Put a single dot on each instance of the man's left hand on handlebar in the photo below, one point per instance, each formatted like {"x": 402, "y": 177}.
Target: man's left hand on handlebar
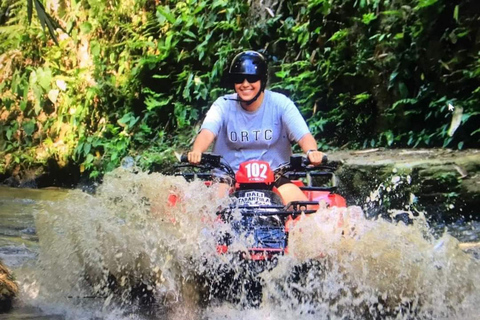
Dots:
{"x": 315, "y": 157}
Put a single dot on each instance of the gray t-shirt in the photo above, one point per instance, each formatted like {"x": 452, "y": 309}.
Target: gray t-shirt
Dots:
{"x": 265, "y": 134}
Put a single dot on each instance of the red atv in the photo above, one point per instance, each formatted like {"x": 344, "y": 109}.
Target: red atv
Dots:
{"x": 265, "y": 219}
{"x": 258, "y": 218}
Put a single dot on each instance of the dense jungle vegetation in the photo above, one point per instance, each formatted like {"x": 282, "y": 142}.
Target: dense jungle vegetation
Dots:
{"x": 125, "y": 77}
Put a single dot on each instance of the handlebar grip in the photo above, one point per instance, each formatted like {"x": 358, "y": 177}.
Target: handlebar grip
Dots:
{"x": 207, "y": 159}
{"x": 184, "y": 158}
{"x": 324, "y": 159}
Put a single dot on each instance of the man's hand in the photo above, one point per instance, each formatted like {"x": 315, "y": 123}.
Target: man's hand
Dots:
{"x": 309, "y": 146}
{"x": 203, "y": 140}
{"x": 194, "y": 157}
{"x": 315, "y": 157}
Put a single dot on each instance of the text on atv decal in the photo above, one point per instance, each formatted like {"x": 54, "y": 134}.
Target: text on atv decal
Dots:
{"x": 254, "y": 197}
{"x": 256, "y": 170}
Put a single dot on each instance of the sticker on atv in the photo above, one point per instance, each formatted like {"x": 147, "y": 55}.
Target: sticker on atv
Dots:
{"x": 254, "y": 171}
{"x": 254, "y": 198}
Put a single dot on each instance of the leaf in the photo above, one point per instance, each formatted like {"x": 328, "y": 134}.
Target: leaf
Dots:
{"x": 9, "y": 133}
{"x": 29, "y": 127}
{"x": 456, "y": 120}
{"x": 161, "y": 76}
{"x": 186, "y": 90}
{"x": 168, "y": 42}
{"x": 425, "y": 3}
{"x": 403, "y": 90}
{"x": 455, "y": 13}
{"x": 151, "y": 103}
{"x": 475, "y": 132}
{"x": 86, "y": 149}
{"x": 389, "y": 136}
{"x": 404, "y": 101}
{"x": 165, "y": 12}
{"x": 410, "y": 140}
{"x": 45, "y": 20}
{"x": 29, "y": 10}
{"x": 133, "y": 121}
{"x": 393, "y": 76}
{"x": 339, "y": 35}
{"x": 190, "y": 34}
{"x": 126, "y": 118}
{"x": 53, "y": 95}
{"x": 368, "y": 17}
{"x": 86, "y": 27}
{"x": 447, "y": 142}
{"x": 89, "y": 158}
{"x": 399, "y": 36}
{"x": 23, "y": 105}
{"x": 79, "y": 148}
{"x": 43, "y": 78}
{"x": 359, "y": 98}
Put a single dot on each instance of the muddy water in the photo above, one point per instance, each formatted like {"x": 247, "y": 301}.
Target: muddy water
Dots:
{"x": 82, "y": 256}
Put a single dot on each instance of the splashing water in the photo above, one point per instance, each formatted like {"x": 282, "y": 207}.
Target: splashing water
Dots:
{"x": 130, "y": 242}
{"x": 376, "y": 269}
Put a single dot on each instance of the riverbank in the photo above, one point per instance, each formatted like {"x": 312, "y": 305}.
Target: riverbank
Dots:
{"x": 8, "y": 288}
{"x": 444, "y": 182}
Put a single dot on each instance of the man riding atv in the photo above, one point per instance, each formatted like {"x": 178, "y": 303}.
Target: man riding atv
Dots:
{"x": 255, "y": 123}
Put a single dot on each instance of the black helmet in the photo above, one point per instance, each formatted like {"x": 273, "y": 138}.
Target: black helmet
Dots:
{"x": 249, "y": 63}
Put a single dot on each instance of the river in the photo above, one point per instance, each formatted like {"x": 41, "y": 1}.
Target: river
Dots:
{"x": 95, "y": 256}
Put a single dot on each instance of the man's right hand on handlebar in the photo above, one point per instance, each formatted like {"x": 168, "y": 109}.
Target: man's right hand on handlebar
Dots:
{"x": 194, "y": 157}
{"x": 202, "y": 142}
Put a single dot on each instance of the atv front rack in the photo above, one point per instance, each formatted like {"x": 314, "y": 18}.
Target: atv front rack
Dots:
{"x": 294, "y": 209}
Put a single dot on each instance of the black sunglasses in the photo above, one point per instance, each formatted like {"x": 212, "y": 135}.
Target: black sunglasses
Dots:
{"x": 239, "y": 78}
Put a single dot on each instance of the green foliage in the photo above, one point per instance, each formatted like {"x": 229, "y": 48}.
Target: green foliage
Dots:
{"x": 383, "y": 73}
{"x": 135, "y": 78}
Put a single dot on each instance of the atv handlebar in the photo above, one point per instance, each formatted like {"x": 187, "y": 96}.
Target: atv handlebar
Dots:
{"x": 206, "y": 159}
{"x": 208, "y": 162}
{"x": 297, "y": 162}
{"x": 212, "y": 167}
{"x": 300, "y": 161}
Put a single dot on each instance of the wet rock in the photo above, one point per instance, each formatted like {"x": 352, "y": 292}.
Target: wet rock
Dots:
{"x": 441, "y": 182}
{"x": 8, "y": 288}
{"x": 49, "y": 175}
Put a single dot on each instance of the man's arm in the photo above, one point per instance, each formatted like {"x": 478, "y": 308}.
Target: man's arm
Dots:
{"x": 297, "y": 126}
{"x": 203, "y": 140}
{"x": 309, "y": 146}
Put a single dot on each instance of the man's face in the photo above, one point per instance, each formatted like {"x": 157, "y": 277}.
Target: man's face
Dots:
{"x": 247, "y": 87}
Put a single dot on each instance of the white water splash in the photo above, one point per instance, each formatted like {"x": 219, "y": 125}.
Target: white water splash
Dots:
{"x": 340, "y": 265}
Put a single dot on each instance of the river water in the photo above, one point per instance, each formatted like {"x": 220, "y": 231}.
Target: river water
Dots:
{"x": 127, "y": 253}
